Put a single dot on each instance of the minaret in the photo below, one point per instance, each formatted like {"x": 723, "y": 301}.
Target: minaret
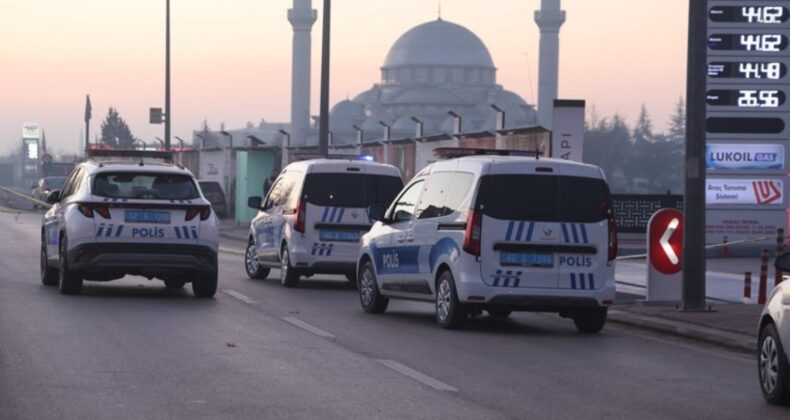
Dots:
{"x": 549, "y": 19}
{"x": 302, "y": 17}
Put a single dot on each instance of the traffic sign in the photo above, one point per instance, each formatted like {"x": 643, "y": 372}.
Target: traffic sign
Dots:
{"x": 665, "y": 255}
{"x": 156, "y": 116}
{"x": 46, "y": 158}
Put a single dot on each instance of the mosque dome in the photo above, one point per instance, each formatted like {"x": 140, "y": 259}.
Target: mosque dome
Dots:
{"x": 439, "y": 43}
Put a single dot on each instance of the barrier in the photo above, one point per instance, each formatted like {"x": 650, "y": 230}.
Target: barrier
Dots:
{"x": 763, "y": 277}
{"x": 26, "y": 197}
{"x": 747, "y": 287}
{"x": 725, "y": 251}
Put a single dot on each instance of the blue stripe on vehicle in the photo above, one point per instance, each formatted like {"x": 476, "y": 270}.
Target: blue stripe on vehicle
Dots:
{"x": 592, "y": 282}
{"x": 185, "y": 231}
{"x": 530, "y": 230}
{"x": 581, "y": 280}
{"x": 178, "y": 232}
{"x": 519, "y": 231}
{"x": 194, "y": 233}
{"x": 100, "y": 231}
{"x": 118, "y": 233}
{"x": 517, "y": 281}
{"x": 564, "y": 233}
{"x": 509, "y": 230}
{"x": 326, "y": 212}
{"x": 329, "y": 251}
{"x": 575, "y": 234}
{"x": 496, "y": 277}
{"x": 332, "y": 217}
{"x": 584, "y": 233}
{"x": 109, "y": 231}
{"x": 340, "y": 217}
{"x": 573, "y": 281}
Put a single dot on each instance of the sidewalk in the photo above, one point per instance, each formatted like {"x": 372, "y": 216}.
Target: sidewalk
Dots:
{"x": 229, "y": 229}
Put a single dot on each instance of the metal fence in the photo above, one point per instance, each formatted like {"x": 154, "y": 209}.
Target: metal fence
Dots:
{"x": 633, "y": 211}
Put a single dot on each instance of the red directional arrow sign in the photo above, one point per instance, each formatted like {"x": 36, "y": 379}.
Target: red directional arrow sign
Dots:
{"x": 666, "y": 240}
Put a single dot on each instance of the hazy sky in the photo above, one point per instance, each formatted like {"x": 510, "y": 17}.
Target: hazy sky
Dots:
{"x": 231, "y": 59}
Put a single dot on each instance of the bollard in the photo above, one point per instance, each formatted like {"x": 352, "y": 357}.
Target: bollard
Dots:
{"x": 725, "y": 252}
{"x": 780, "y": 245}
{"x": 763, "y": 277}
{"x": 747, "y": 287}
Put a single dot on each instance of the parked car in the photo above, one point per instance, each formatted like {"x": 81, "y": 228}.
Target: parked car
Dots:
{"x": 44, "y": 186}
{"x": 214, "y": 194}
{"x": 773, "y": 354}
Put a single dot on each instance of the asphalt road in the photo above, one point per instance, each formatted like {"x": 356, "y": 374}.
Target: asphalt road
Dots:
{"x": 132, "y": 349}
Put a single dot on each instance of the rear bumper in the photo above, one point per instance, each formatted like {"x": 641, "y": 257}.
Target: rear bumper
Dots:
{"x": 142, "y": 259}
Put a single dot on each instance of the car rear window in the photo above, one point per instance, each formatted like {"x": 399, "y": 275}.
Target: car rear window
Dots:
{"x": 549, "y": 198}
{"x": 147, "y": 186}
{"x": 351, "y": 190}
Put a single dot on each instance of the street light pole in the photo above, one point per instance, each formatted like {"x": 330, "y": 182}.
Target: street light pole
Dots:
{"x": 286, "y": 157}
{"x": 180, "y": 142}
{"x": 168, "y": 111}
{"x": 323, "y": 131}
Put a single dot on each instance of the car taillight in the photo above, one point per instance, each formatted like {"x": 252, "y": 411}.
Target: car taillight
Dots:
{"x": 301, "y": 210}
{"x": 205, "y": 212}
{"x": 103, "y": 212}
{"x": 192, "y": 212}
{"x": 87, "y": 210}
{"x": 612, "y": 238}
{"x": 474, "y": 230}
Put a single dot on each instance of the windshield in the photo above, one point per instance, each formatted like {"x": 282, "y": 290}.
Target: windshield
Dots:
{"x": 351, "y": 190}
{"x": 548, "y": 198}
{"x": 150, "y": 186}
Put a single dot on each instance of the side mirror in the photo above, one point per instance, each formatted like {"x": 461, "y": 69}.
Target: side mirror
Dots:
{"x": 53, "y": 197}
{"x": 255, "y": 202}
{"x": 783, "y": 262}
{"x": 376, "y": 212}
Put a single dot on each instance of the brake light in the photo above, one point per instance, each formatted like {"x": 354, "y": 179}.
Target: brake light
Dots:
{"x": 301, "y": 213}
{"x": 85, "y": 210}
{"x": 103, "y": 212}
{"x": 612, "y": 238}
{"x": 474, "y": 230}
{"x": 88, "y": 211}
{"x": 191, "y": 213}
{"x": 205, "y": 212}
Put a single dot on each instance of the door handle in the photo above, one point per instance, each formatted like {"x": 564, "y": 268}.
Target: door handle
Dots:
{"x": 410, "y": 237}
{"x": 400, "y": 238}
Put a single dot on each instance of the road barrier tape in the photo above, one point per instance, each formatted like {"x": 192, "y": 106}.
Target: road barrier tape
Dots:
{"x": 26, "y": 197}
{"x": 713, "y": 246}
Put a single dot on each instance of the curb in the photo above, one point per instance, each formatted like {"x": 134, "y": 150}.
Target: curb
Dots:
{"x": 731, "y": 341}
{"x": 231, "y": 251}
{"x": 232, "y": 237}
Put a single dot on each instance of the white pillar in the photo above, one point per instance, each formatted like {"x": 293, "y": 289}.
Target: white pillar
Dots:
{"x": 302, "y": 17}
{"x": 549, "y": 19}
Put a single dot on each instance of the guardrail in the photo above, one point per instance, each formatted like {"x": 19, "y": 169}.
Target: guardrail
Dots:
{"x": 40, "y": 203}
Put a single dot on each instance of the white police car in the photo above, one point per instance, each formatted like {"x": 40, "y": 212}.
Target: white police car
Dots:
{"x": 314, "y": 215}
{"x": 495, "y": 233}
{"x": 773, "y": 346}
{"x": 119, "y": 213}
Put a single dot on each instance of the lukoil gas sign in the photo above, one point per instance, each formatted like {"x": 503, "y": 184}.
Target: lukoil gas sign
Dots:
{"x": 764, "y": 192}
{"x": 745, "y": 156}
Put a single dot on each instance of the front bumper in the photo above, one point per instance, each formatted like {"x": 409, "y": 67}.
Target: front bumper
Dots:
{"x": 142, "y": 259}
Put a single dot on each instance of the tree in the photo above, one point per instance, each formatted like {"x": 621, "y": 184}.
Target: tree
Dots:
{"x": 677, "y": 123}
{"x": 115, "y": 132}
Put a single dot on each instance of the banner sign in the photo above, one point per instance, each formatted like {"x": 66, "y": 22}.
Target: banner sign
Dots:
{"x": 763, "y": 192}
{"x": 31, "y": 131}
{"x": 745, "y": 156}
{"x": 567, "y": 137}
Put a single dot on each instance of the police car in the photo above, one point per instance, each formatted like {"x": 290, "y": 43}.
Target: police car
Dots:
{"x": 497, "y": 233}
{"x": 129, "y": 212}
{"x": 773, "y": 345}
{"x": 313, "y": 217}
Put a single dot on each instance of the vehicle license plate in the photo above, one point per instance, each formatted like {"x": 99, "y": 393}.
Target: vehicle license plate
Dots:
{"x": 338, "y": 236}
{"x": 527, "y": 259}
{"x": 141, "y": 216}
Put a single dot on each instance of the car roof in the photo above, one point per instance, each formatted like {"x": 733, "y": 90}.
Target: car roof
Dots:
{"x": 342, "y": 165}
{"x": 490, "y": 164}
{"x": 94, "y": 167}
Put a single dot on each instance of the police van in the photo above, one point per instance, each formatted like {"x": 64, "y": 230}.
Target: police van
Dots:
{"x": 499, "y": 233}
{"x": 313, "y": 218}
{"x": 129, "y": 212}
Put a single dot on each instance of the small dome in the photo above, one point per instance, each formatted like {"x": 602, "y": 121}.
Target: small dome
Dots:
{"x": 348, "y": 108}
{"x": 439, "y": 43}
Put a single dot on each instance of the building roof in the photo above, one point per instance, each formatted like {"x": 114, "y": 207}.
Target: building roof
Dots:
{"x": 439, "y": 43}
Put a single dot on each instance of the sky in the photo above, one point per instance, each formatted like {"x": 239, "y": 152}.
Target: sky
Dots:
{"x": 231, "y": 59}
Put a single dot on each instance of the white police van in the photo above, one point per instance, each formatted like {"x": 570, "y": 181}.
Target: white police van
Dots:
{"x": 129, "y": 212}
{"x": 313, "y": 217}
{"x": 496, "y": 233}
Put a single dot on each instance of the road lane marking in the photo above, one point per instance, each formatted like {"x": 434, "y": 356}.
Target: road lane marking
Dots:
{"x": 307, "y": 327}
{"x": 239, "y": 296}
{"x": 417, "y": 376}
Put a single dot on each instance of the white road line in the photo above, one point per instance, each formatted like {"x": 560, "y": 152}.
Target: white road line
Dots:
{"x": 417, "y": 376}
{"x": 239, "y": 296}
{"x": 307, "y": 327}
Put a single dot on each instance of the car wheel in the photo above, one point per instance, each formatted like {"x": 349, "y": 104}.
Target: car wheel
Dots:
{"x": 369, "y": 296}
{"x": 204, "y": 285}
{"x": 251, "y": 264}
{"x": 499, "y": 312}
{"x": 450, "y": 313}
{"x": 773, "y": 367}
{"x": 289, "y": 276}
{"x": 69, "y": 281}
{"x": 49, "y": 275}
{"x": 590, "y": 321}
{"x": 175, "y": 283}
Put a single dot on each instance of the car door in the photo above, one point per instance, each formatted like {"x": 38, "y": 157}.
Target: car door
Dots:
{"x": 54, "y": 219}
{"x": 266, "y": 240}
{"x": 393, "y": 255}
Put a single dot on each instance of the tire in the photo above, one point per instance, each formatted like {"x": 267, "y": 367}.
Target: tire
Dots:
{"x": 450, "y": 313}
{"x": 772, "y": 367}
{"x": 251, "y": 264}
{"x": 590, "y": 321}
{"x": 69, "y": 281}
{"x": 499, "y": 312}
{"x": 175, "y": 283}
{"x": 49, "y": 275}
{"x": 289, "y": 276}
{"x": 204, "y": 285}
{"x": 369, "y": 296}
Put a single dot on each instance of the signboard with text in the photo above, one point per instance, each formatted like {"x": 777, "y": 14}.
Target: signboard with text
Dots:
{"x": 738, "y": 156}
{"x": 758, "y": 192}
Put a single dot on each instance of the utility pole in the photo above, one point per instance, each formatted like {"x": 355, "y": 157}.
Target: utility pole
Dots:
{"x": 168, "y": 111}
{"x": 323, "y": 131}
{"x": 694, "y": 199}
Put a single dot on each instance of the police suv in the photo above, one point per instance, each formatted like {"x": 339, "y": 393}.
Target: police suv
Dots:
{"x": 129, "y": 212}
{"x": 496, "y": 233}
{"x": 313, "y": 217}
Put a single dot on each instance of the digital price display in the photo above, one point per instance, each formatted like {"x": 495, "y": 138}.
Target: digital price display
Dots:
{"x": 746, "y": 98}
{"x": 769, "y": 70}
{"x": 769, "y": 15}
{"x": 744, "y": 125}
{"x": 765, "y": 43}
